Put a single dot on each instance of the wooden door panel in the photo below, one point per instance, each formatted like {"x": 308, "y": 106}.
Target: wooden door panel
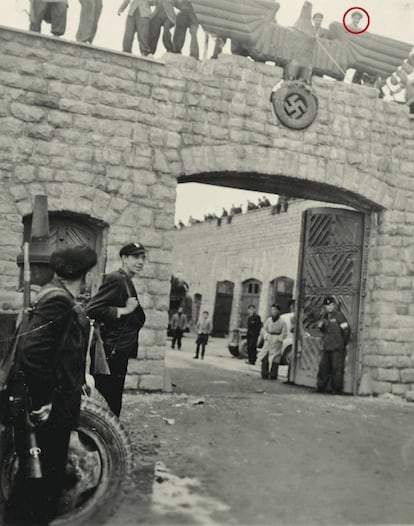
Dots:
{"x": 331, "y": 261}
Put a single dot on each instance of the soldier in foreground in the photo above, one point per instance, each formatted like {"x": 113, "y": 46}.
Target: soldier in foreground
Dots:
{"x": 336, "y": 332}
{"x": 50, "y": 369}
{"x": 116, "y": 307}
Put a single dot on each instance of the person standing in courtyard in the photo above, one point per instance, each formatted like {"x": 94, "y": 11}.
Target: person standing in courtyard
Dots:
{"x": 53, "y": 12}
{"x": 137, "y": 21}
{"x": 336, "y": 333}
{"x": 204, "y": 328}
{"x": 274, "y": 332}
{"x": 117, "y": 309}
{"x": 254, "y": 324}
{"x": 178, "y": 324}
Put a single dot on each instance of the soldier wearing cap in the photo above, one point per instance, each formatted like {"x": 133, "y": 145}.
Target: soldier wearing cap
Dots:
{"x": 116, "y": 307}
{"x": 336, "y": 332}
{"x": 51, "y": 354}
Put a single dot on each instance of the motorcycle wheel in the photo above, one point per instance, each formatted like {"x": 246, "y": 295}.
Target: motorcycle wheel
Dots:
{"x": 100, "y": 460}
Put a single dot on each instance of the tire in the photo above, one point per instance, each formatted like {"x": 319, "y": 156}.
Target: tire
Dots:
{"x": 100, "y": 455}
{"x": 243, "y": 350}
{"x": 287, "y": 356}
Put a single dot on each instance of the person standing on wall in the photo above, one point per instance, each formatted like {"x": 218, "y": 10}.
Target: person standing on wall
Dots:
{"x": 186, "y": 19}
{"x": 116, "y": 307}
{"x": 336, "y": 333}
{"x": 162, "y": 16}
{"x": 88, "y": 21}
{"x": 204, "y": 328}
{"x": 53, "y": 12}
{"x": 137, "y": 21}
{"x": 50, "y": 361}
{"x": 178, "y": 324}
{"x": 254, "y": 324}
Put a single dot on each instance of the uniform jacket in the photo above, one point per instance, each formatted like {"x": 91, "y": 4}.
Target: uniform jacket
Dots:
{"x": 120, "y": 335}
{"x": 50, "y": 378}
{"x": 336, "y": 331}
{"x": 179, "y": 321}
{"x": 254, "y": 324}
{"x": 164, "y": 7}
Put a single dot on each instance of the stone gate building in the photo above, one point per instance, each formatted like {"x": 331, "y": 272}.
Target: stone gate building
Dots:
{"x": 107, "y": 136}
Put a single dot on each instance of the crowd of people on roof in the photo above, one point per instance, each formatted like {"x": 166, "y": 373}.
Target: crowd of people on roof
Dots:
{"x": 263, "y": 202}
{"x": 145, "y": 18}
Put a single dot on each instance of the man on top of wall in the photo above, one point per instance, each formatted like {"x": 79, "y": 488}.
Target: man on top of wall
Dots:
{"x": 137, "y": 21}
{"x": 51, "y": 11}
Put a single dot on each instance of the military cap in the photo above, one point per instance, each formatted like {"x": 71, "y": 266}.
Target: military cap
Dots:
{"x": 132, "y": 249}
{"x": 73, "y": 262}
{"x": 328, "y": 300}
{"x": 357, "y": 14}
{"x": 317, "y": 15}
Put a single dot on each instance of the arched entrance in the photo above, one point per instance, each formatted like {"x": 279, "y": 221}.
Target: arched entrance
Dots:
{"x": 363, "y": 199}
{"x": 69, "y": 229}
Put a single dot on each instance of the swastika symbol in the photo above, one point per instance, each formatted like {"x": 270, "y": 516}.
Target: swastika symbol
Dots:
{"x": 295, "y": 106}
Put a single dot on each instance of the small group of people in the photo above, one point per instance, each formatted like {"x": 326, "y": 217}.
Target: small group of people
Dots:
{"x": 270, "y": 336}
{"x": 51, "y": 350}
{"x": 203, "y": 327}
{"x": 263, "y": 202}
{"x": 141, "y": 20}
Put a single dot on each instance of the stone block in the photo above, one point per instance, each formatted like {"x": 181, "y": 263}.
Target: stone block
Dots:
{"x": 131, "y": 382}
{"x": 407, "y": 375}
{"x": 26, "y": 113}
{"x": 24, "y": 173}
{"x": 43, "y": 132}
{"x": 381, "y": 387}
{"x": 151, "y": 383}
{"x": 11, "y": 127}
{"x": 388, "y": 375}
{"x": 399, "y": 389}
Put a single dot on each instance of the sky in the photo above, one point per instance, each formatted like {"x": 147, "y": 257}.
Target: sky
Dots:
{"x": 392, "y": 18}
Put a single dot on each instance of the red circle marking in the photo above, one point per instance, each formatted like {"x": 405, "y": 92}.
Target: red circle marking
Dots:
{"x": 366, "y": 14}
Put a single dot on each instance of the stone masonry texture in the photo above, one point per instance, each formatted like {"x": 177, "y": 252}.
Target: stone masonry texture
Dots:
{"x": 108, "y": 135}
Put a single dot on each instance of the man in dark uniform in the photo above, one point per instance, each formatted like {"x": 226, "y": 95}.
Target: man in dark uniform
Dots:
{"x": 254, "y": 324}
{"x": 116, "y": 307}
{"x": 336, "y": 333}
{"x": 51, "y": 354}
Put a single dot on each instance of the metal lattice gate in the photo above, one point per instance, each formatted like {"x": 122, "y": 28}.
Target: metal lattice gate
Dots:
{"x": 331, "y": 262}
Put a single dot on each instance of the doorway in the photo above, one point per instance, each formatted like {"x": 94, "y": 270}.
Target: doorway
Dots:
{"x": 251, "y": 289}
{"x": 222, "y": 308}
{"x": 331, "y": 262}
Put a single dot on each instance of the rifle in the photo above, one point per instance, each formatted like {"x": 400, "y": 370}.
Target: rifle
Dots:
{"x": 19, "y": 400}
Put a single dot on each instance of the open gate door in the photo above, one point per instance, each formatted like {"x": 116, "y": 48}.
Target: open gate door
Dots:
{"x": 331, "y": 263}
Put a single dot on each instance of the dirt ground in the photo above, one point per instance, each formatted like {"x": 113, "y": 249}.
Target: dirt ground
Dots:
{"x": 230, "y": 448}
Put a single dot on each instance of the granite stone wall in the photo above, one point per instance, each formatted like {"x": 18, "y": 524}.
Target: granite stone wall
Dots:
{"x": 108, "y": 135}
